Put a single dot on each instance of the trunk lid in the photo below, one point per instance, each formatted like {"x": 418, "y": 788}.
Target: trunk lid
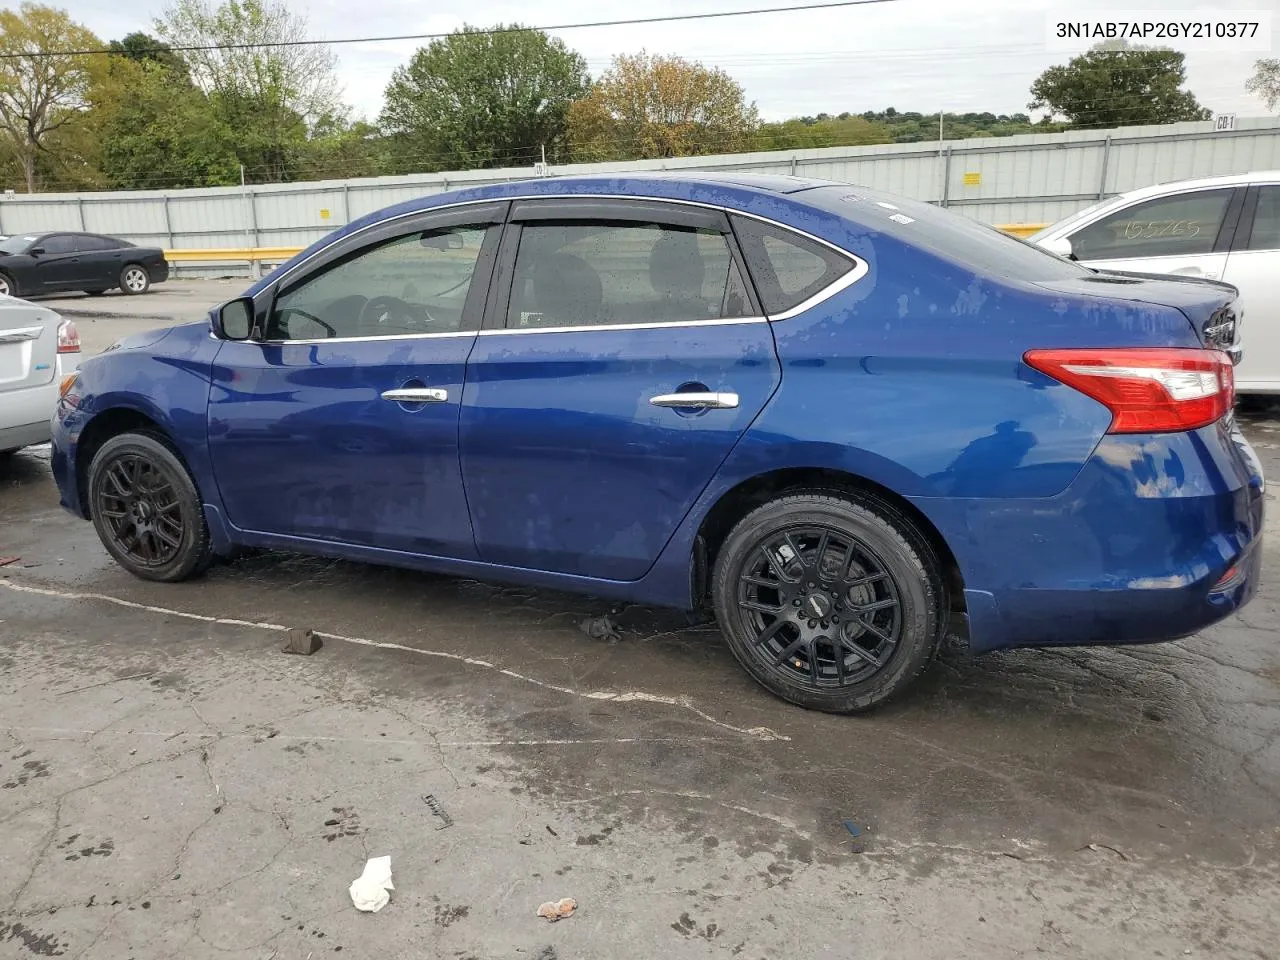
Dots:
{"x": 28, "y": 344}
{"x": 1212, "y": 307}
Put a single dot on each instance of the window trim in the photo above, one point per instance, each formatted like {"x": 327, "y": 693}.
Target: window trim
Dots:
{"x": 1221, "y": 241}
{"x": 619, "y": 209}
{"x": 325, "y": 254}
{"x": 395, "y": 228}
{"x": 1242, "y": 242}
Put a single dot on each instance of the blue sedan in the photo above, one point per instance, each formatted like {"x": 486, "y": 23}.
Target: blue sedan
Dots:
{"x": 840, "y": 419}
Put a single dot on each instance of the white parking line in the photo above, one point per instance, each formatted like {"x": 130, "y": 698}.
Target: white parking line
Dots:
{"x": 627, "y": 696}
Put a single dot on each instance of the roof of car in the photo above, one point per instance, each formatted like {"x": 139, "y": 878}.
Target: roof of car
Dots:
{"x": 1230, "y": 180}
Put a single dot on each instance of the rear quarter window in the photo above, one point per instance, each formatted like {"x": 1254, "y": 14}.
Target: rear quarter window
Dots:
{"x": 787, "y": 268}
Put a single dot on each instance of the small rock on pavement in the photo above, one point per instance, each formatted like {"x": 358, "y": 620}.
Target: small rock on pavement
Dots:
{"x": 304, "y": 642}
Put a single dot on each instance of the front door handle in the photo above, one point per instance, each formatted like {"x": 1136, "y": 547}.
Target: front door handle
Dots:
{"x": 416, "y": 395}
{"x": 719, "y": 400}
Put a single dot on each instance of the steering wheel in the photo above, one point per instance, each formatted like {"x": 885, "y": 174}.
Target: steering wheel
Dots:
{"x": 379, "y": 309}
{"x": 313, "y": 319}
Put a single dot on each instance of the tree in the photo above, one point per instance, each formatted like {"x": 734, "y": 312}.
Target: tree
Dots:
{"x": 43, "y": 81}
{"x": 141, "y": 46}
{"x": 477, "y": 99}
{"x": 1118, "y": 86}
{"x": 654, "y": 106}
{"x": 264, "y": 82}
{"x": 153, "y": 128}
{"x": 1265, "y": 82}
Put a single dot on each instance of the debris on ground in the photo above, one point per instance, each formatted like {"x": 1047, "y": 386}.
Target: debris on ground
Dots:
{"x": 371, "y": 891}
{"x": 554, "y": 910}
{"x": 853, "y": 828}
{"x": 600, "y": 628}
{"x": 5, "y": 561}
{"x": 303, "y": 642}
{"x": 438, "y": 810}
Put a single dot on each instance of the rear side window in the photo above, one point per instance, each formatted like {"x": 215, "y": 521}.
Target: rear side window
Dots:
{"x": 1183, "y": 225}
{"x": 787, "y": 268}
{"x": 88, "y": 244}
{"x": 1266, "y": 221}
{"x": 603, "y": 273}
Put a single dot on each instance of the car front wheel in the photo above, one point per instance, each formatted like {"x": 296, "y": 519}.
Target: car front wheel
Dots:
{"x": 134, "y": 279}
{"x": 832, "y": 602}
{"x": 7, "y": 287}
{"x": 147, "y": 510}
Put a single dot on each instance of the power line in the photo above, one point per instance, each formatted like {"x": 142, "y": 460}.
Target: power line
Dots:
{"x": 637, "y": 21}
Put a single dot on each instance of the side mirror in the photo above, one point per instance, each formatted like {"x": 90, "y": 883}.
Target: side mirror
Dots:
{"x": 35, "y": 251}
{"x": 1060, "y": 246}
{"x": 234, "y": 319}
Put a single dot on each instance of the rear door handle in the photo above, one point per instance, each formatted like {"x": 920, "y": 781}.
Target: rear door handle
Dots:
{"x": 719, "y": 400}
{"x": 416, "y": 395}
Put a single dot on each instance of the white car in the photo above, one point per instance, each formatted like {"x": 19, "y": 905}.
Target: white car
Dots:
{"x": 38, "y": 350}
{"x": 1214, "y": 228}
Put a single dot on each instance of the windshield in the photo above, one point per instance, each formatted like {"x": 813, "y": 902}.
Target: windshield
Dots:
{"x": 1078, "y": 215}
{"x": 15, "y": 244}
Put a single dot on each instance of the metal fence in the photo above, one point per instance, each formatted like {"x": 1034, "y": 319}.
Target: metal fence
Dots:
{"x": 1024, "y": 179}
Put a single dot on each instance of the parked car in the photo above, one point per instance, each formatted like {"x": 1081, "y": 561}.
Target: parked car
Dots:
{"x": 36, "y": 263}
{"x": 38, "y": 351}
{"x": 837, "y": 418}
{"x": 1214, "y": 228}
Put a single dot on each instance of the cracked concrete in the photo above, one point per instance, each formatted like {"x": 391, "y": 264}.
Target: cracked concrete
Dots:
{"x": 172, "y": 786}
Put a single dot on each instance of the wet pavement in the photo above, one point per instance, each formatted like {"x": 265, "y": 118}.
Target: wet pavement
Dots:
{"x": 172, "y": 784}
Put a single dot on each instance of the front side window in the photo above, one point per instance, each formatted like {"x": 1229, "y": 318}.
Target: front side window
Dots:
{"x": 1266, "y": 220}
{"x": 1186, "y": 224}
{"x": 788, "y": 269}
{"x": 413, "y": 284}
{"x": 599, "y": 273}
{"x": 59, "y": 243}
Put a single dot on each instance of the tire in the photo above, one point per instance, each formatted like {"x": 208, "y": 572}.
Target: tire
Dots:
{"x": 827, "y": 573}
{"x": 135, "y": 279}
{"x": 147, "y": 510}
{"x": 7, "y": 285}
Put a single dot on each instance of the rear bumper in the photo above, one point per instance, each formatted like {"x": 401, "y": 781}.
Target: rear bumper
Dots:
{"x": 158, "y": 272}
{"x": 1134, "y": 551}
{"x": 24, "y": 435}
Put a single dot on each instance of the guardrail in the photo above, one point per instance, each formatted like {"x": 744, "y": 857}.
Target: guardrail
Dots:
{"x": 260, "y": 256}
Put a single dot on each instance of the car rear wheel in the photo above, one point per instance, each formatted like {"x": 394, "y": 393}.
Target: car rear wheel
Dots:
{"x": 147, "y": 510}
{"x": 7, "y": 287}
{"x": 134, "y": 279}
{"x": 831, "y": 602}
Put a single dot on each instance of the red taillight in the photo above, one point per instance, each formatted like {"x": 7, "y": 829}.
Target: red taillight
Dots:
{"x": 68, "y": 337}
{"x": 1147, "y": 389}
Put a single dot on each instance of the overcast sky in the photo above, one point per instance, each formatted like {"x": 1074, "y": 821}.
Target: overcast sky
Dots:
{"x": 910, "y": 54}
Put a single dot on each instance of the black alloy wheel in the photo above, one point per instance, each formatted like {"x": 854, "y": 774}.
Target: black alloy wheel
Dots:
{"x": 829, "y": 602}
{"x": 146, "y": 509}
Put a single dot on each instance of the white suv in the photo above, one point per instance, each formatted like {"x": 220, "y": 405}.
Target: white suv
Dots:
{"x": 38, "y": 349}
{"x": 1214, "y": 228}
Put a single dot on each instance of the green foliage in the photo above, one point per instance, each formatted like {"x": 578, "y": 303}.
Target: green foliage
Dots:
{"x": 652, "y": 106}
{"x": 478, "y": 99}
{"x": 155, "y": 129}
{"x": 43, "y": 84}
{"x": 1265, "y": 82}
{"x": 1116, "y": 86}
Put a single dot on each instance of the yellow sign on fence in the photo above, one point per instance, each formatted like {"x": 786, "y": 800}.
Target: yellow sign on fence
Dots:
{"x": 972, "y": 179}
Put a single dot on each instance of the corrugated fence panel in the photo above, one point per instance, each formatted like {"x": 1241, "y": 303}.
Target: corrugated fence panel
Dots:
{"x": 1035, "y": 178}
